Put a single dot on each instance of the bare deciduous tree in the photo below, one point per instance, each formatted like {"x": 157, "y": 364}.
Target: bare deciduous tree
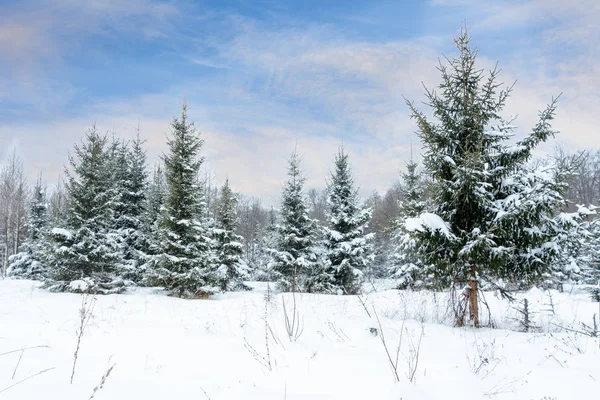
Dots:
{"x": 253, "y": 218}
{"x": 13, "y": 208}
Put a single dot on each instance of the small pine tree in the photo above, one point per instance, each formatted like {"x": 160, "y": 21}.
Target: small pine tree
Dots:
{"x": 594, "y": 249}
{"x": 28, "y": 263}
{"x": 408, "y": 268}
{"x": 348, "y": 248}
{"x": 150, "y": 245}
{"x": 184, "y": 262}
{"x": 228, "y": 245}
{"x": 293, "y": 257}
{"x": 574, "y": 238}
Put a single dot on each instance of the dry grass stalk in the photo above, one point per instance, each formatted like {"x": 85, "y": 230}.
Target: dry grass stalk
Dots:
{"x": 85, "y": 315}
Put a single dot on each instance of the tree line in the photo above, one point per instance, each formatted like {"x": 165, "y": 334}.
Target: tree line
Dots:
{"x": 113, "y": 224}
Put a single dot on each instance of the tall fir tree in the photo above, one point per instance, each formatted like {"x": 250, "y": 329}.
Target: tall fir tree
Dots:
{"x": 228, "y": 245}
{"x": 118, "y": 162}
{"x": 28, "y": 263}
{"x": 293, "y": 257}
{"x": 87, "y": 249}
{"x": 348, "y": 249}
{"x": 492, "y": 216}
{"x": 184, "y": 261}
{"x": 407, "y": 266}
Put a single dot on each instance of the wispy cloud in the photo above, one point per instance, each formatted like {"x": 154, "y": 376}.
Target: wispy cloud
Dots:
{"x": 256, "y": 88}
{"x": 38, "y": 39}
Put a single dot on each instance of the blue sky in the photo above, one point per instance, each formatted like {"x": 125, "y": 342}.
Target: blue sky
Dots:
{"x": 261, "y": 77}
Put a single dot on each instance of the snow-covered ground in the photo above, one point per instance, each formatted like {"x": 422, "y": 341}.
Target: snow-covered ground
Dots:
{"x": 168, "y": 348}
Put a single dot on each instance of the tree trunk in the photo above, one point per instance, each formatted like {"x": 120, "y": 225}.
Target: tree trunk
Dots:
{"x": 473, "y": 299}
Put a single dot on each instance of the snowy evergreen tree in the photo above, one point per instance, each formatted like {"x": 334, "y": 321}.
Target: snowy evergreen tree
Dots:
{"x": 130, "y": 182}
{"x": 184, "y": 262}
{"x": 87, "y": 249}
{"x": 150, "y": 221}
{"x": 119, "y": 171}
{"x": 348, "y": 249}
{"x": 228, "y": 245}
{"x": 118, "y": 224}
{"x": 36, "y": 228}
{"x": 575, "y": 247}
{"x": 136, "y": 195}
{"x": 594, "y": 249}
{"x": 293, "y": 257}
{"x": 28, "y": 263}
{"x": 407, "y": 267}
{"x": 492, "y": 216}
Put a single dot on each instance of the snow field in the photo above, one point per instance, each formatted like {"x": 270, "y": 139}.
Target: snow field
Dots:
{"x": 165, "y": 347}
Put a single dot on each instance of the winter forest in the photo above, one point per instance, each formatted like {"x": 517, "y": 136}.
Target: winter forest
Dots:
{"x": 482, "y": 242}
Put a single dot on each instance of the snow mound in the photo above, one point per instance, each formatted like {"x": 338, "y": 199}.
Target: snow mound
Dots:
{"x": 79, "y": 285}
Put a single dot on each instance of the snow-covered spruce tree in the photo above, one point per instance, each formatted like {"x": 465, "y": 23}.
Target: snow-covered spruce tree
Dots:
{"x": 293, "y": 257}
{"x": 136, "y": 197}
{"x": 594, "y": 249}
{"x": 28, "y": 263}
{"x": 118, "y": 225}
{"x": 492, "y": 217}
{"x": 131, "y": 183}
{"x": 407, "y": 266}
{"x": 574, "y": 240}
{"x": 184, "y": 261}
{"x": 156, "y": 194}
{"x": 228, "y": 245}
{"x": 348, "y": 249}
{"x": 119, "y": 169}
{"x": 87, "y": 248}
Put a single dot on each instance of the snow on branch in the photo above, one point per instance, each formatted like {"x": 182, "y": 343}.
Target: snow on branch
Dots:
{"x": 428, "y": 221}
